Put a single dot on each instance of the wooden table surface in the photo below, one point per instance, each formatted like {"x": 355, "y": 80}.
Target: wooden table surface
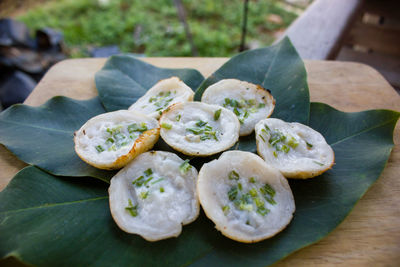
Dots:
{"x": 369, "y": 236}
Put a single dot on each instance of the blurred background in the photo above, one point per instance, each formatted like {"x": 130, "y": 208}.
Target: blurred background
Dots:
{"x": 156, "y": 27}
{"x": 35, "y": 34}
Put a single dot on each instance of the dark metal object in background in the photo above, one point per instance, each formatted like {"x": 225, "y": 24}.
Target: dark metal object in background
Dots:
{"x": 24, "y": 60}
{"x": 182, "y": 17}
{"x": 105, "y": 51}
{"x": 244, "y": 26}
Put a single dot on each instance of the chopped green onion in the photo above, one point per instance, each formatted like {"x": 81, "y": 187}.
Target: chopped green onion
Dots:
{"x": 319, "y": 163}
{"x": 196, "y": 131}
{"x": 99, "y": 148}
{"x": 262, "y": 137}
{"x": 267, "y": 128}
{"x": 217, "y": 114}
{"x": 263, "y": 211}
{"x": 162, "y": 189}
{"x": 252, "y": 180}
{"x": 293, "y": 142}
{"x": 225, "y": 209}
{"x": 259, "y": 202}
{"x": 232, "y": 194}
{"x": 148, "y": 180}
{"x": 144, "y": 195}
{"x": 178, "y": 117}
{"x": 157, "y": 181}
{"x": 233, "y": 175}
{"x": 309, "y": 145}
{"x": 253, "y": 192}
{"x": 110, "y": 140}
{"x": 236, "y": 111}
{"x": 185, "y": 167}
{"x": 134, "y": 127}
{"x": 269, "y": 190}
{"x": 201, "y": 123}
{"x": 132, "y": 209}
{"x": 166, "y": 125}
{"x": 243, "y": 206}
{"x": 285, "y": 148}
{"x": 275, "y": 155}
{"x": 148, "y": 172}
{"x": 240, "y": 186}
{"x": 138, "y": 181}
{"x": 261, "y": 105}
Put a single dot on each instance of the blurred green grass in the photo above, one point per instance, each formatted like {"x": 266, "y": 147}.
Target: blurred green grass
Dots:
{"x": 153, "y": 28}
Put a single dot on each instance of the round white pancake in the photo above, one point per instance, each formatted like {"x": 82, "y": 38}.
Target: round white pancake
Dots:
{"x": 253, "y": 103}
{"x": 157, "y": 205}
{"x": 253, "y": 213}
{"x": 303, "y": 152}
{"x": 194, "y": 130}
{"x": 111, "y": 140}
{"x": 162, "y": 95}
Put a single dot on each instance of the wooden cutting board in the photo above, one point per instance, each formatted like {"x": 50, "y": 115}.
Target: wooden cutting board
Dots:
{"x": 369, "y": 236}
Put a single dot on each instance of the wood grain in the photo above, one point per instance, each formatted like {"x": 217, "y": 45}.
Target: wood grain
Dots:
{"x": 369, "y": 236}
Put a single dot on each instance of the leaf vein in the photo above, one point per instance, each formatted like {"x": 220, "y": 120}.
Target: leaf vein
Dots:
{"x": 363, "y": 131}
{"x": 54, "y": 205}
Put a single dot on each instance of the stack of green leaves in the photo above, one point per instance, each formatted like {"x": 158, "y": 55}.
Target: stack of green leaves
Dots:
{"x": 55, "y": 212}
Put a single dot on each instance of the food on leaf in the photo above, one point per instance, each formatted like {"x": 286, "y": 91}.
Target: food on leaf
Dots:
{"x": 154, "y": 195}
{"x": 295, "y": 149}
{"x": 199, "y": 129}
{"x": 247, "y": 199}
{"x": 250, "y": 102}
{"x": 111, "y": 140}
{"x": 162, "y": 95}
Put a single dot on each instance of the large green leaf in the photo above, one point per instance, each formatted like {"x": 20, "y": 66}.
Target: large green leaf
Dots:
{"x": 43, "y": 136}
{"x": 277, "y": 68}
{"x": 124, "y": 79}
{"x": 47, "y": 221}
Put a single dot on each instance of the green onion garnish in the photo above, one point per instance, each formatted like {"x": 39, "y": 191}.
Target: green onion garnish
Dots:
{"x": 217, "y": 114}
{"x": 99, "y": 148}
{"x": 166, "y": 125}
{"x": 252, "y": 180}
{"x": 225, "y": 209}
{"x": 293, "y": 142}
{"x": 162, "y": 189}
{"x": 232, "y": 194}
{"x": 262, "y": 211}
{"x": 309, "y": 145}
{"x": 148, "y": 172}
{"x": 233, "y": 175}
{"x": 262, "y": 137}
{"x": 253, "y": 192}
{"x": 144, "y": 195}
{"x": 185, "y": 167}
{"x": 240, "y": 186}
{"x": 243, "y": 206}
{"x": 319, "y": 163}
{"x": 178, "y": 117}
{"x": 132, "y": 209}
{"x": 157, "y": 181}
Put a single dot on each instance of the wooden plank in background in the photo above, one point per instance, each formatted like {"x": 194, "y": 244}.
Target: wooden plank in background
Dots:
{"x": 376, "y": 38}
{"x": 319, "y": 31}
